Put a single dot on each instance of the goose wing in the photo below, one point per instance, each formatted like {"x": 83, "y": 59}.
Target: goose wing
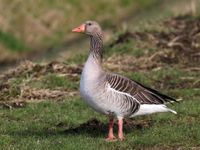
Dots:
{"x": 143, "y": 94}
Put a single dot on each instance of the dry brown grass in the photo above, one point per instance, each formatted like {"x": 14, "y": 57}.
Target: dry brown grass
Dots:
{"x": 16, "y": 83}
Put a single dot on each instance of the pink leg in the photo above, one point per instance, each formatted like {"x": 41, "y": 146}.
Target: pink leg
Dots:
{"x": 120, "y": 129}
{"x": 111, "y": 136}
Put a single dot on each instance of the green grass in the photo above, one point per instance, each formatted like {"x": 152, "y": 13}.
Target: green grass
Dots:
{"x": 52, "y": 81}
{"x": 36, "y": 127}
{"x": 77, "y": 59}
{"x": 12, "y": 43}
{"x": 127, "y": 47}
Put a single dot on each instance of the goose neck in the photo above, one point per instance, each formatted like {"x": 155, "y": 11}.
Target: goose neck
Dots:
{"x": 96, "y": 46}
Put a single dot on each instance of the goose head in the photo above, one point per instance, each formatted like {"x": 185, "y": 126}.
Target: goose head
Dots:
{"x": 89, "y": 28}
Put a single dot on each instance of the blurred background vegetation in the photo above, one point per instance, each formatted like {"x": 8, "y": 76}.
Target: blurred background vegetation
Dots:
{"x": 29, "y": 28}
{"x": 36, "y": 25}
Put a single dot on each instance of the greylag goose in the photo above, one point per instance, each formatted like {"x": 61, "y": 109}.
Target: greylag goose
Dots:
{"x": 113, "y": 94}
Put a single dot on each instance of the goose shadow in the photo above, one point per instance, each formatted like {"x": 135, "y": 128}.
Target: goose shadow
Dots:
{"x": 93, "y": 128}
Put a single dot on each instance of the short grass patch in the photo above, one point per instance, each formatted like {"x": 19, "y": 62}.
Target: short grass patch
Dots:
{"x": 53, "y": 81}
{"x": 52, "y": 125}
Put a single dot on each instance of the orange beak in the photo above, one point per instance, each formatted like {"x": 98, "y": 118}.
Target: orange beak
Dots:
{"x": 81, "y": 28}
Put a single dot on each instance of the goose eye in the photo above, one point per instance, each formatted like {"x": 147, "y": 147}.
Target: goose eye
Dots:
{"x": 89, "y": 24}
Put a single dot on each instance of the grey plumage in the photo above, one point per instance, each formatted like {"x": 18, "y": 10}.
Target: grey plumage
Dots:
{"x": 112, "y": 94}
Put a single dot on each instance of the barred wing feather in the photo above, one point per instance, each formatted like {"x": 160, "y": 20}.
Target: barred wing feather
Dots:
{"x": 143, "y": 94}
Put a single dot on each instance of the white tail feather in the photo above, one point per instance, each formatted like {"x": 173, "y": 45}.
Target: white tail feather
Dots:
{"x": 152, "y": 108}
